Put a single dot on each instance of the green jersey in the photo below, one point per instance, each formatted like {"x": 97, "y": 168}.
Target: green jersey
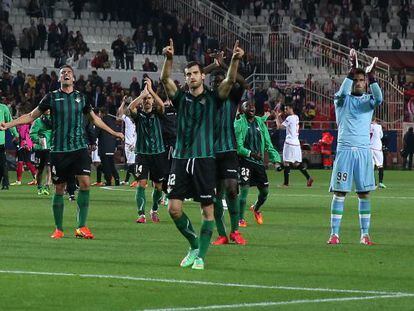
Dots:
{"x": 225, "y": 139}
{"x": 196, "y": 118}
{"x": 149, "y": 133}
{"x": 5, "y": 116}
{"x": 41, "y": 133}
{"x": 66, "y": 111}
{"x": 253, "y": 140}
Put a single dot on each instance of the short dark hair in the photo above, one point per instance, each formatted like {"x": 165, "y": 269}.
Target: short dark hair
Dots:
{"x": 192, "y": 64}
{"x": 66, "y": 66}
{"x": 290, "y": 105}
{"x": 359, "y": 71}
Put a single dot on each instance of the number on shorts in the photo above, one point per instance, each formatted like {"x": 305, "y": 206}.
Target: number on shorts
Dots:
{"x": 245, "y": 171}
{"x": 341, "y": 176}
{"x": 171, "y": 180}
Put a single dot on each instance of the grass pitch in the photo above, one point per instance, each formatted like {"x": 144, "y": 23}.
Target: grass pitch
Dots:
{"x": 285, "y": 266}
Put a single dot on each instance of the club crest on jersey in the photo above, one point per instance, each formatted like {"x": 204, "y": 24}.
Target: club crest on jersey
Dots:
{"x": 203, "y": 101}
{"x": 78, "y": 99}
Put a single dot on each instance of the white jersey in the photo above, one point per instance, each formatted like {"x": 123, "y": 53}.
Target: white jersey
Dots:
{"x": 376, "y": 135}
{"x": 130, "y": 133}
{"x": 292, "y": 130}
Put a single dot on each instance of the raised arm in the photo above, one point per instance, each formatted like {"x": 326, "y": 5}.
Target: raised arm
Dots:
{"x": 169, "y": 84}
{"x": 101, "y": 124}
{"x": 373, "y": 84}
{"x": 346, "y": 86}
{"x": 133, "y": 106}
{"x": 158, "y": 103}
{"x": 279, "y": 121}
{"x": 24, "y": 119}
{"x": 219, "y": 62}
{"x": 122, "y": 108}
{"x": 226, "y": 85}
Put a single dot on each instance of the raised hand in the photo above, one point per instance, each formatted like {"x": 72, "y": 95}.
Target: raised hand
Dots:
{"x": 148, "y": 84}
{"x": 168, "y": 51}
{"x": 238, "y": 52}
{"x": 219, "y": 58}
{"x": 371, "y": 67}
{"x": 353, "y": 59}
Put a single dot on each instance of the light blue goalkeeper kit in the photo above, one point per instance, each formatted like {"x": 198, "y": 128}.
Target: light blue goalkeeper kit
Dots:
{"x": 353, "y": 161}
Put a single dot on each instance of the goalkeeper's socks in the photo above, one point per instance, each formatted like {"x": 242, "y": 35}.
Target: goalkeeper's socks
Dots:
{"x": 364, "y": 209}
{"x": 337, "y": 209}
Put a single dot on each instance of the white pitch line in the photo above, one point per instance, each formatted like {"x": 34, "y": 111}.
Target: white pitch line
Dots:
{"x": 327, "y": 196}
{"x": 192, "y": 282}
{"x": 277, "y": 303}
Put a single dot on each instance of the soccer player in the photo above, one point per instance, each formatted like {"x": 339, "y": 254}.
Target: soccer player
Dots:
{"x": 4, "y": 117}
{"x": 253, "y": 139}
{"x": 227, "y": 164}
{"x": 151, "y": 159}
{"x": 41, "y": 134}
{"x": 353, "y": 163}
{"x": 376, "y": 150}
{"x": 193, "y": 169}
{"x": 130, "y": 138}
{"x": 69, "y": 155}
{"x": 292, "y": 154}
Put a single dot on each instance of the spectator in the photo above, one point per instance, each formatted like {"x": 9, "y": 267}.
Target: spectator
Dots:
{"x": 408, "y": 148}
{"x": 404, "y": 15}
{"x": 384, "y": 20}
{"x": 64, "y": 31}
{"x": 396, "y": 43}
{"x": 33, "y": 8}
{"x": 366, "y": 22}
{"x": 82, "y": 60}
{"x": 149, "y": 40}
{"x": 42, "y": 34}
{"x": 274, "y": 20}
{"x": 129, "y": 53}
{"x": 139, "y": 38}
{"x": 328, "y": 28}
{"x": 77, "y": 6}
{"x": 260, "y": 97}
{"x": 134, "y": 87}
{"x": 257, "y": 7}
{"x": 149, "y": 66}
{"x": 8, "y": 42}
{"x": 98, "y": 98}
{"x": 80, "y": 84}
{"x": 44, "y": 78}
{"x": 118, "y": 46}
{"x": 24, "y": 44}
{"x": 273, "y": 93}
{"x": 6, "y": 6}
{"x": 34, "y": 37}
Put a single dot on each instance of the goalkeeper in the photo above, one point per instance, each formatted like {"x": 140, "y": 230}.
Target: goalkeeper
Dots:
{"x": 353, "y": 163}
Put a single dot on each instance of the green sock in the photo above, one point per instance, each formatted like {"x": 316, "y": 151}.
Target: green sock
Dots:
{"x": 205, "y": 237}
{"x": 156, "y": 197}
{"x": 262, "y": 197}
{"x": 83, "y": 207}
{"x": 243, "y": 197}
{"x": 140, "y": 199}
{"x": 184, "y": 225}
{"x": 233, "y": 206}
{"x": 219, "y": 216}
{"x": 57, "y": 207}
